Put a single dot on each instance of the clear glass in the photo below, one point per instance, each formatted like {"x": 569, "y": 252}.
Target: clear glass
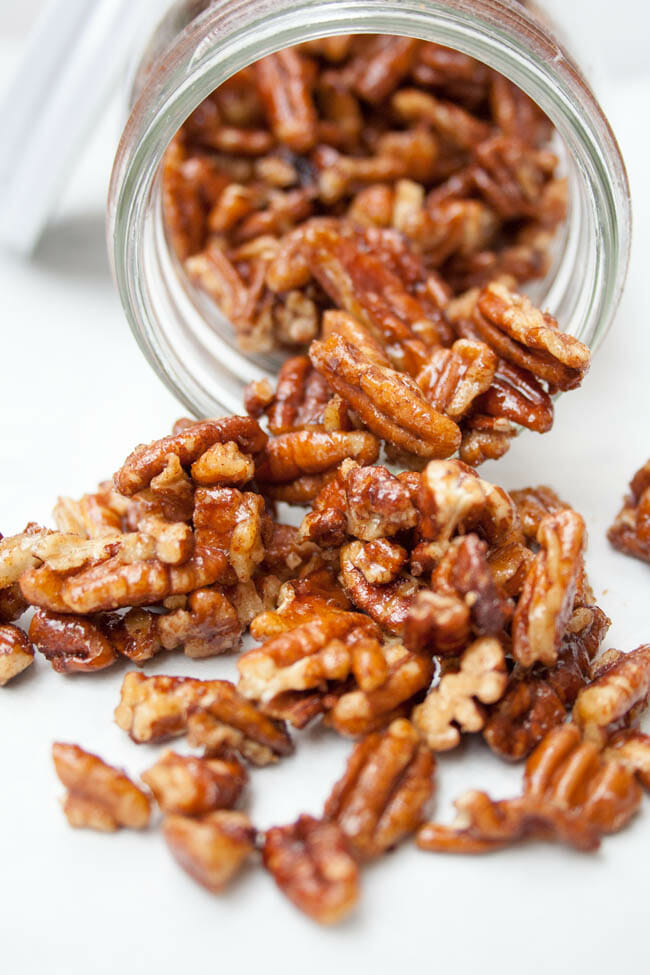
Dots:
{"x": 183, "y": 335}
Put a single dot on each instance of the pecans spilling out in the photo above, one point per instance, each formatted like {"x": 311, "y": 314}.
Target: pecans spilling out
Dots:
{"x": 372, "y": 204}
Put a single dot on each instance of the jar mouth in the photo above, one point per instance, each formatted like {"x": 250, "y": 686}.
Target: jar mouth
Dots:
{"x": 187, "y": 340}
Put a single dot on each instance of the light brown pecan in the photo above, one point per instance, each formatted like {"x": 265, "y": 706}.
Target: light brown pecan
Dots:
{"x": 16, "y": 653}
{"x": 189, "y": 786}
{"x": 223, "y": 463}
{"x": 170, "y": 494}
{"x": 92, "y": 515}
{"x": 149, "y": 460}
{"x": 533, "y": 504}
{"x": 437, "y": 624}
{"x": 453, "y": 378}
{"x": 615, "y": 697}
{"x": 99, "y": 796}
{"x": 449, "y": 120}
{"x": 517, "y": 114}
{"x": 309, "y": 452}
{"x": 380, "y": 561}
{"x": 212, "y": 848}
{"x": 454, "y": 705}
{"x": 630, "y": 532}
{"x": 208, "y": 626}
{"x": 309, "y": 656}
{"x": 283, "y": 88}
{"x": 509, "y": 566}
{"x": 314, "y": 596}
{"x": 528, "y": 338}
{"x": 546, "y": 601}
{"x": 310, "y": 863}
{"x": 383, "y": 793}
{"x": 485, "y": 438}
{"x": 359, "y": 712}
{"x": 511, "y": 176}
{"x": 387, "y": 604}
{"x": 388, "y": 402}
{"x": 570, "y": 794}
{"x": 17, "y": 554}
{"x": 632, "y": 748}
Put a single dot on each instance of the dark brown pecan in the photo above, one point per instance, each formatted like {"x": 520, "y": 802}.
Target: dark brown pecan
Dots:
{"x": 310, "y": 863}
{"x": 388, "y": 402}
{"x": 450, "y": 121}
{"x": 70, "y": 643}
{"x": 16, "y": 653}
{"x": 283, "y": 88}
{"x": 465, "y": 572}
{"x": 516, "y": 395}
{"x": 300, "y": 397}
{"x": 12, "y": 603}
{"x": 571, "y": 794}
{"x": 380, "y": 64}
{"x": 99, "y": 796}
{"x": 189, "y": 786}
{"x": 383, "y": 793}
{"x": 437, "y": 624}
{"x": 212, "y": 848}
{"x": 546, "y": 600}
{"x": 616, "y": 696}
{"x": 533, "y": 504}
{"x": 207, "y": 626}
{"x": 630, "y": 532}
{"x": 528, "y": 338}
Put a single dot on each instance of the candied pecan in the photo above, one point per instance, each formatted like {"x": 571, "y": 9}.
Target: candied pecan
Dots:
{"x": 309, "y": 656}
{"x": 449, "y": 120}
{"x": 258, "y": 395}
{"x": 389, "y": 403}
{"x": 485, "y": 438}
{"x": 212, "y": 848}
{"x": 632, "y": 748}
{"x": 70, "y": 643}
{"x": 546, "y": 600}
{"x": 617, "y": 694}
{"x": 382, "y": 795}
{"x": 283, "y": 88}
{"x": 358, "y": 712}
{"x": 533, "y": 504}
{"x": 311, "y": 451}
{"x": 570, "y": 794}
{"x": 301, "y": 491}
{"x": 515, "y": 113}
{"x": 451, "y": 707}
{"x": 12, "y": 603}
{"x": 512, "y": 176}
{"x": 453, "y": 498}
{"x": 16, "y": 653}
{"x": 149, "y": 460}
{"x": 388, "y": 604}
{"x": 437, "y": 624}
{"x": 315, "y": 596}
{"x": 189, "y": 786}
{"x": 380, "y": 64}
{"x": 223, "y": 463}
{"x": 232, "y": 522}
{"x": 17, "y": 554}
{"x": 300, "y": 397}
{"x": 453, "y": 378}
{"x": 630, "y": 532}
{"x": 99, "y": 796}
{"x": 185, "y": 184}
{"x": 465, "y": 572}
{"x": 134, "y": 635}
{"x": 529, "y": 338}
{"x": 170, "y": 494}
{"x": 516, "y": 395}
{"x": 92, "y": 515}
{"x": 286, "y": 554}
{"x": 379, "y": 561}
{"x": 210, "y": 625}
{"x": 310, "y": 863}
{"x": 509, "y": 565}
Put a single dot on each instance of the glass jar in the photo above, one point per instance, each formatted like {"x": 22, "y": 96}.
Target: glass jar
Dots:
{"x": 198, "y": 46}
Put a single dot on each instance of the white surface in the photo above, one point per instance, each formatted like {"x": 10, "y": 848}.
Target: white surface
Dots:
{"x": 75, "y": 396}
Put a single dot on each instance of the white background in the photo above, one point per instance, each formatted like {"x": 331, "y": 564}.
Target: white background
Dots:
{"x": 75, "y": 396}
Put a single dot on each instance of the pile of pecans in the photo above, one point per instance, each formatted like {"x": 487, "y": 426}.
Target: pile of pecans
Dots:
{"x": 374, "y": 201}
{"x": 406, "y": 612}
{"x": 369, "y": 203}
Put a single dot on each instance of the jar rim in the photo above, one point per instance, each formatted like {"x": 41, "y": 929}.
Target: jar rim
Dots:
{"x": 231, "y": 34}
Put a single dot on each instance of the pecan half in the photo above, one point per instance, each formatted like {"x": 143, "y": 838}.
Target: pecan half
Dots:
{"x": 99, "y": 796}
{"x": 383, "y": 793}
{"x": 387, "y": 604}
{"x": 310, "y": 863}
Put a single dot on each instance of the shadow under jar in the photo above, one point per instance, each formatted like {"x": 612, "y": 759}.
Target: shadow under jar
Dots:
{"x": 196, "y": 49}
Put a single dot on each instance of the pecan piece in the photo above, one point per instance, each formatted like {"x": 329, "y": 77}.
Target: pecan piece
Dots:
{"x": 314, "y": 596}
{"x": 529, "y": 338}
{"x": 464, "y": 572}
{"x": 282, "y": 86}
{"x": 208, "y": 626}
{"x": 453, "y": 378}
{"x": 381, "y": 63}
{"x": 213, "y": 848}
{"x": 516, "y": 395}
{"x": 454, "y": 705}
{"x": 17, "y": 554}
{"x": 614, "y": 698}
{"x": 533, "y": 504}
{"x": 387, "y": 604}
{"x": 546, "y": 600}
{"x": 632, "y": 748}
{"x": 70, "y": 643}
{"x": 310, "y": 863}
{"x": 16, "y": 653}
{"x": 485, "y": 438}
{"x": 189, "y": 786}
{"x": 389, "y": 403}
{"x": 437, "y": 624}
{"x": 450, "y": 121}
{"x": 382, "y": 795}
{"x": 359, "y": 712}
{"x": 99, "y": 796}
{"x": 630, "y": 532}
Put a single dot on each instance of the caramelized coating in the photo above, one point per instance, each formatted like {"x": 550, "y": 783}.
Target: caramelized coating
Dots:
{"x": 454, "y": 705}
{"x": 453, "y": 378}
{"x": 71, "y": 644}
{"x": 383, "y": 793}
{"x": 387, "y": 604}
{"x": 189, "y": 786}
{"x": 616, "y": 695}
{"x": 211, "y": 848}
{"x": 291, "y": 455}
{"x": 98, "y": 796}
{"x": 310, "y": 863}
{"x": 571, "y": 794}
{"x": 630, "y": 532}
{"x": 546, "y": 599}
{"x": 16, "y": 653}
{"x": 314, "y": 596}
